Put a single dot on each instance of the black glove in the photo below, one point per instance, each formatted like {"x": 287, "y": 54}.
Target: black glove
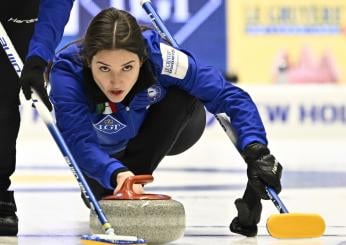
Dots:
{"x": 32, "y": 77}
{"x": 263, "y": 169}
{"x": 248, "y": 218}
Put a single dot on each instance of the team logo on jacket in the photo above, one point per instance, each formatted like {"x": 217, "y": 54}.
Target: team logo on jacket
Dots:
{"x": 154, "y": 93}
{"x": 175, "y": 62}
{"x": 109, "y": 125}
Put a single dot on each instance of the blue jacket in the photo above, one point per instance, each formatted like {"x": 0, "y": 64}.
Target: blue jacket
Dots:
{"x": 52, "y": 18}
{"x": 93, "y": 136}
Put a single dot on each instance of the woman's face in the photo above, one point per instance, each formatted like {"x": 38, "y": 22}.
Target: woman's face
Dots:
{"x": 115, "y": 72}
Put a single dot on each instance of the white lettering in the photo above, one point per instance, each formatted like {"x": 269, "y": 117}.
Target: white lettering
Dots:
{"x": 174, "y": 10}
{"x": 327, "y": 113}
{"x": 18, "y": 21}
{"x": 107, "y": 127}
{"x": 175, "y": 62}
{"x": 275, "y": 167}
{"x": 10, "y": 56}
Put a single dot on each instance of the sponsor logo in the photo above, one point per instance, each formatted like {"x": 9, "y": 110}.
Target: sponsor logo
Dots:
{"x": 109, "y": 125}
{"x": 154, "y": 93}
{"x": 275, "y": 167}
{"x": 175, "y": 62}
{"x": 297, "y": 19}
{"x": 168, "y": 68}
{"x": 10, "y": 55}
{"x": 186, "y": 15}
{"x": 19, "y": 21}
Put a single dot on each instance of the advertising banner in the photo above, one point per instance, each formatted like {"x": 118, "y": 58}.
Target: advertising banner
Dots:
{"x": 198, "y": 26}
{"x": 294, "y": 41}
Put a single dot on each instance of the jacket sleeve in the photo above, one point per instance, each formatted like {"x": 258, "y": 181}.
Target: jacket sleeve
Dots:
{"x": 180, "y": 68}
{"x": 220, "y": 96}
{"x": 72, "y": 116}
{"x": 52, "y": 18}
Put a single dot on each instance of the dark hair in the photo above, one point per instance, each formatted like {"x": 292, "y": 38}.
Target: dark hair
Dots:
{"x": 113, "y": 29}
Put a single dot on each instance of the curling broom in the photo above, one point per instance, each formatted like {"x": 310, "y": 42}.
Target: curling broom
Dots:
{"x": 283, "y": 225}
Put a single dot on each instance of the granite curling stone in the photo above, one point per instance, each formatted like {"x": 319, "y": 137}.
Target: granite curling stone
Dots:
{"x": 156, "y": 218}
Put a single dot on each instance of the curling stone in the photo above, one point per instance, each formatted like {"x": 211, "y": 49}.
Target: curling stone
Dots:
{"x": 154, "y": 217}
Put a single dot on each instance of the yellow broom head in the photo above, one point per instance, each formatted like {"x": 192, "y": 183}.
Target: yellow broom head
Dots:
{"x": 295, "y": 225}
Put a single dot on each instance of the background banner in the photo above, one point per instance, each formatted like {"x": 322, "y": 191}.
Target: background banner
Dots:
{"x": 194, "y": 24}
{"x": 275, "y": 41}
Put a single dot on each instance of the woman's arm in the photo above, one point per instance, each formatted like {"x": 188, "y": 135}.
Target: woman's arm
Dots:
{"x": 180, "y": 68}
{"x": 52, "y": 18}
